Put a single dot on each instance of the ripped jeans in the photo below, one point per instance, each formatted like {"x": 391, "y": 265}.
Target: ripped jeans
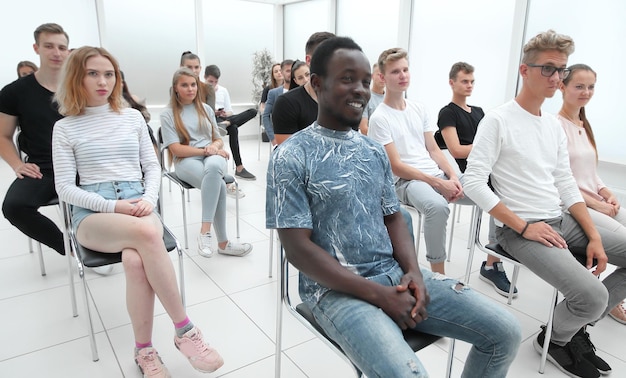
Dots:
{"x": 374, "y": 342}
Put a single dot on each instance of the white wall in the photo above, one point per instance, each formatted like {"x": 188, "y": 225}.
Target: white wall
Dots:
{"x": 367, "y": 22}
{"x": 300, "y": 21}
{"x": 19, "y": 21}
{"x": 447, "y": 31}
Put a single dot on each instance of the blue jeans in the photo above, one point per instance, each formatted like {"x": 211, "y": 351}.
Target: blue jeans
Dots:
{"x": 374, "y": 342}
{"x": 112, "y": 190}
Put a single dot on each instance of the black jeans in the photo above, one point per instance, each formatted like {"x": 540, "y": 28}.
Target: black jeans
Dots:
{"x": 21, "y": 208}
{"x": 237, "y": 120}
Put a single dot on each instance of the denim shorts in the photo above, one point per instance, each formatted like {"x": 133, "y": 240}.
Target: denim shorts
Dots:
{"x": 112, "y": 190}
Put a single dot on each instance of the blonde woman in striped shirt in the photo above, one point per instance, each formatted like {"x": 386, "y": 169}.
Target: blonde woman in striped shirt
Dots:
{"x": 108, "y": 146}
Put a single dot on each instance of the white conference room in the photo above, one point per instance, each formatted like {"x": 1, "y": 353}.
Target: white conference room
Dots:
{"x": 234, "y": 300}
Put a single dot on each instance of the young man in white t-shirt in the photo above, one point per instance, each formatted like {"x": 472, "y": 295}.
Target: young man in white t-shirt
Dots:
{"x": 224, "y": 115}
{"x": 423, "y": 176}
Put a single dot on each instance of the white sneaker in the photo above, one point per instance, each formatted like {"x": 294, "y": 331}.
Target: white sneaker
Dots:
{"x": 103, "y": 270}
{"x": 235, "y": 249}
{"x": 205, "y": 245}
{"x": 231, "y": 191}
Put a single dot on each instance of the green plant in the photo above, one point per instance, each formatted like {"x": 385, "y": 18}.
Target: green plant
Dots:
{"x": 261, "y": 66}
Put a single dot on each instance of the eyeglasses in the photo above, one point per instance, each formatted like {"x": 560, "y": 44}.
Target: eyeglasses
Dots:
{"x": 548, "y": 71}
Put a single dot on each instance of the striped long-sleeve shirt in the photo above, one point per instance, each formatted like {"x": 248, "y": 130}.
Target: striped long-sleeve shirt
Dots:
{"x": 102, "y": 145}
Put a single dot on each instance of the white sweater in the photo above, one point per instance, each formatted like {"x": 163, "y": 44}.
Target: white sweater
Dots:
{"x": 527, "y": 158}
{"x": 101, "y": 146}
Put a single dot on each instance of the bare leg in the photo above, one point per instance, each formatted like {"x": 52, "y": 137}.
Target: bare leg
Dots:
{"x": 438, "y": 267}
{"x": 491, "y": 260}
{"x": 111, "y": 232}
{"x": 139, "y": 296}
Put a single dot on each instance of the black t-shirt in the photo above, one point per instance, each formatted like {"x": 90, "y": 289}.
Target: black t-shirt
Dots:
{"x": 36, "y": 115}
{"x": 465, "y": 123}
{"x": 293, "y": 111}
{"x": 266, "y": 90}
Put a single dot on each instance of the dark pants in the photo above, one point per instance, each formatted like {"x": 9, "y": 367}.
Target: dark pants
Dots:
{"x": 21, "y": 208}
{"x": 237, "y": 120}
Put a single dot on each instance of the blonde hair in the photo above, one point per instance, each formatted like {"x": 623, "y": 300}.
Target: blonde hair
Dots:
{"x": 71, "y": 94}
{"x": 546, "y": 41}
{"x": 391, "y": 55}
{"x": 177, "y": 108}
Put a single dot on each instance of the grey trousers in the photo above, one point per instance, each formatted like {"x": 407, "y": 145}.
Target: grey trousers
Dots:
{"x": 587, "y": 299}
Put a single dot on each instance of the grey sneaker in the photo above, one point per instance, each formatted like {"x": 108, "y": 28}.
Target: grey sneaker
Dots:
{"x": 235, "y": 249}
{"x": 205, "y": 245}
{"x": 244, "y": 174}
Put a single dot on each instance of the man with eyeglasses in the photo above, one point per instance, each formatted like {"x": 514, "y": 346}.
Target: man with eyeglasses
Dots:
{"x": 525, "y": 151}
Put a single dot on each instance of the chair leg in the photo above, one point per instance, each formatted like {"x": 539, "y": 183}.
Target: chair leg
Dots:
{"x": 546, "y": 339}
{"x": 271, "y": 252}
{"x": 92, "y": 336}
{"x": 450, "y": 358}
{"x": 455, "y": 208}
{"x": 42, "y": 265}
{"x": 181, "y": 275}
{"x": 282, "y": 261}
{"x": 182, "y": 194}
{"x": 237, "y": 208}
{"x": 509, "y": 298}
{"x": 418, "y": 232}
{"x": 69, "y": 253}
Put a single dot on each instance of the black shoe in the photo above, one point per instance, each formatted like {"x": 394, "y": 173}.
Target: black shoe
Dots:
{"x": 567, "y": 358}
{"x": 497, "y": 278}
{"x": 244, "y": 174}
{"x": 581, "y": 339}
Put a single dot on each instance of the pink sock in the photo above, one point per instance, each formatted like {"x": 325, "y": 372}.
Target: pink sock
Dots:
{"x": 182, "y": 323}
{"x": 142, "y": 345}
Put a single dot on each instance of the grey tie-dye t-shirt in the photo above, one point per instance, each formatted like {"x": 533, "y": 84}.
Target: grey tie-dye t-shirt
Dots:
{"x": 339, "y": 185}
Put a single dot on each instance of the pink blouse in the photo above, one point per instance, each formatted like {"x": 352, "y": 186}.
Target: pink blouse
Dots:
{"x": 582, "y": 159}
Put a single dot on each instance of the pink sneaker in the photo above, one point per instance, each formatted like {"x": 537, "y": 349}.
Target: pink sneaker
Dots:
{"x": 150, "y": 363}
{"x": 201, "y": 356}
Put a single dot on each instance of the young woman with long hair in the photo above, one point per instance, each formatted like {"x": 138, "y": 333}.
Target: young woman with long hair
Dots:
{"x": 605, "y": 210}
{"x": 191, "y": 135}
{"x": 107, "y": 145}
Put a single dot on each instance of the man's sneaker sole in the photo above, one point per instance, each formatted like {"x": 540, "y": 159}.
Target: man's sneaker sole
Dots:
{"x": 495, "y": 287}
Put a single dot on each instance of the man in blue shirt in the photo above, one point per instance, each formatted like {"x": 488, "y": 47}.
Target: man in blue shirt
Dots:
{"x": 330, "y": 194}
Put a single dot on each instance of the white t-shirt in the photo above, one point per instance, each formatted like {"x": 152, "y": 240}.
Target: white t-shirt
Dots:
{"x": 405, "y": 128}
{"x": 222, "y": 99}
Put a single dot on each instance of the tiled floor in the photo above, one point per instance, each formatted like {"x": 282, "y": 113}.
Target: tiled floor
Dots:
{"x": 232, "y": 299}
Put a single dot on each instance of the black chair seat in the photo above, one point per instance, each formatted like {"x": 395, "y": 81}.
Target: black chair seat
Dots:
{"x": 579, "y": 253}
{"x": 93, "y": 259}
{"x": 416, "y": 340}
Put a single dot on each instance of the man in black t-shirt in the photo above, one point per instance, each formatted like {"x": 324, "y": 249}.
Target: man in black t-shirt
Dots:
{"x": 458, "y": 123}
{"x": 27, "y": 102}
{"x": 297, "y": 109}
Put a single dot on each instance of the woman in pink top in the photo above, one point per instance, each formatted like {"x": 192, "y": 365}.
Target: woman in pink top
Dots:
{"x": 604, "y": 208}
